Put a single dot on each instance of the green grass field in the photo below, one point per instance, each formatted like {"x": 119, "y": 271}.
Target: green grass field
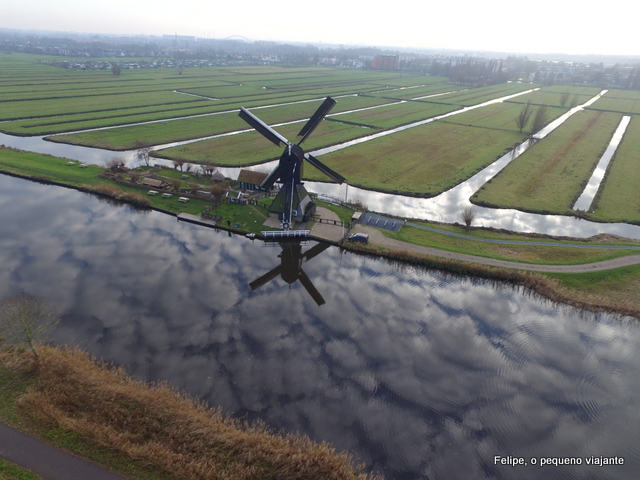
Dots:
{"x": 499, "y": 116}
{"x": 552, "y": 174}
{"x": 552, "y": 96}
{"x": 623, "y": 101}
{"x": 126, "y": 138}
{"x": 252, "y": 148}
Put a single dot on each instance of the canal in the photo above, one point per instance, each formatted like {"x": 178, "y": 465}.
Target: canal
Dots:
{"x": 418, "y": 373}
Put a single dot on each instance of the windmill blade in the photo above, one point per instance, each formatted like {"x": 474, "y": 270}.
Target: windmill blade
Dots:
{"x": 268, "y": 132}
{"x": 306, "y": 283}
{"x": 316, "y": 118}
{"x": 317, "y": 250}
{"x": 270, "y": 275}
{"x": 273, "y": 177}
{"x": 323, "y": 168}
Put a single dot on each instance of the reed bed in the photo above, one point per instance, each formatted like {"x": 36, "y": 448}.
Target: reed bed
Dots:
{"x": 160, "y": 426}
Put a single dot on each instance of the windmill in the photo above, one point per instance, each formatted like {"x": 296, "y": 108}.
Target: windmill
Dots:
{"x": 292, "y": 201}
{"x": 290, "y": 268}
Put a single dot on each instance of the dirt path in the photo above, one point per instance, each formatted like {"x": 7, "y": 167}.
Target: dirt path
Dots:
{"x": 377, "y": 238}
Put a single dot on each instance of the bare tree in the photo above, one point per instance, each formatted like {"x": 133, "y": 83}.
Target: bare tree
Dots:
{"x": 208, "y": 169}
{"x": 178, "y": 164}
{"x": 523, "y": 117}
{"x": 564, "y": 98}
{"x": 574, "y": 101}
{"x": 25, "y": 319}
{"x": 135, "y": 176}
{"x": 175, "y": 184}
{"x": 144, "y": 155}
{"x": 468, "y": 215}
{"x": 116, "y": 69}
{"x": 539, "y": 119}
{"x": 218, "y": 190}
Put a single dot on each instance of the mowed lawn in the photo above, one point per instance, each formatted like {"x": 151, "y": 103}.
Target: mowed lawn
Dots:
{"x": 552, "y": 174}
{"x": 422, "y": 161}
{"x": 619, "y": 197}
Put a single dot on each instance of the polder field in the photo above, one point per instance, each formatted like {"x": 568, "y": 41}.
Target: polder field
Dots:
{"x": 551, "y": 175}
{"x": 158, "y": 107}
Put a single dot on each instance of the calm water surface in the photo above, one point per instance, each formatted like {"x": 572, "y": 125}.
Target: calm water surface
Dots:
{"x": 420, "y": 374}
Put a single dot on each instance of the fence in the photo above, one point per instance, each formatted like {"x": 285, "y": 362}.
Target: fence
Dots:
{"x": 339, "y": 223}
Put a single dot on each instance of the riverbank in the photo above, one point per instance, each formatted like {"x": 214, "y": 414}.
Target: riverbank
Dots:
{"x": 614, "y": 290}
{"x": 145, "y": 431}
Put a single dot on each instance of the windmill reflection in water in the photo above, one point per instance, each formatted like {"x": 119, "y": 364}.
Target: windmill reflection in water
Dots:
{"x": 290, "y": 268}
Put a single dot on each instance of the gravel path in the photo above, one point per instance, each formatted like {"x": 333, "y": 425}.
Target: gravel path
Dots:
{"x": 379, "y": 239}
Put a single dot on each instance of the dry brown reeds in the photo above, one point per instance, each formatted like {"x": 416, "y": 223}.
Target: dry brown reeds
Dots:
{"x": 163, "y": 427}
{"x": 116, "y": 193}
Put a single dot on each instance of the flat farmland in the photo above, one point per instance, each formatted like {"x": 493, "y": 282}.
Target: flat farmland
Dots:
{"x": 421, "y": 161}
{"x": 50, "y": 107}
{"x": 390, "y": 116}
{"x": 419, "y": 91}
{"x": 149, "y": 134}
{"x": 623, "y": 101}
{"x": 474, "y": 96}
{"x": 552, "y": 96}
{"x": 551, "y": 175}
{"x": 499, "y": 116}
{"x": 252, "y": 148}
{"x": 619, "y": 197}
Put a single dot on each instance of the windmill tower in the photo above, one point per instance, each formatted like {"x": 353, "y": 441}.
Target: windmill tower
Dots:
{"x": 293, "y": 201}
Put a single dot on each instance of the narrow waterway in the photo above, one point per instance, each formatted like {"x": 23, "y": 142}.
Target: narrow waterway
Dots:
{"x": 418, "y": 373}
{"x": 586, "y": 199}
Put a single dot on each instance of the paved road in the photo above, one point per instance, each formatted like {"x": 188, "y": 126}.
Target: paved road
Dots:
{"x": 47, "y": 461}
{"x": 378, "y": 238}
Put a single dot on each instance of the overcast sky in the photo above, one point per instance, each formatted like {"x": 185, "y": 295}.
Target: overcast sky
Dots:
{"x": 546, "y": 26}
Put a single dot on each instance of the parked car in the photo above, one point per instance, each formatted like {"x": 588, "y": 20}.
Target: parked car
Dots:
{"x": 359, "y": 237}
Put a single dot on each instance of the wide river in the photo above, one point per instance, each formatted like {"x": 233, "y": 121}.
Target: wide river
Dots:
{"x": 421, "y": 374}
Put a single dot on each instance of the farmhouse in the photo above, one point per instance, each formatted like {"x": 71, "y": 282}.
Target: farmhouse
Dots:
{"x": 153, "y": 182}
{"x": 250, "y": 180}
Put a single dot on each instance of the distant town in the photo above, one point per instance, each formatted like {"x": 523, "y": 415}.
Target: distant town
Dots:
{"x": 101, "y": 52}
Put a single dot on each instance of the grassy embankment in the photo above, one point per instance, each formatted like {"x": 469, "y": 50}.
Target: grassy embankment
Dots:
{"x": 472, "y": 245}
{"x": 55, "y": 170}
{"x": 147, "y": 431}
{"x": 613, "y": 291}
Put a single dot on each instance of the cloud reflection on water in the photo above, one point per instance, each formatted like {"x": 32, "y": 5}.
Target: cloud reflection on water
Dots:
{"x": 423, "y": 375}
